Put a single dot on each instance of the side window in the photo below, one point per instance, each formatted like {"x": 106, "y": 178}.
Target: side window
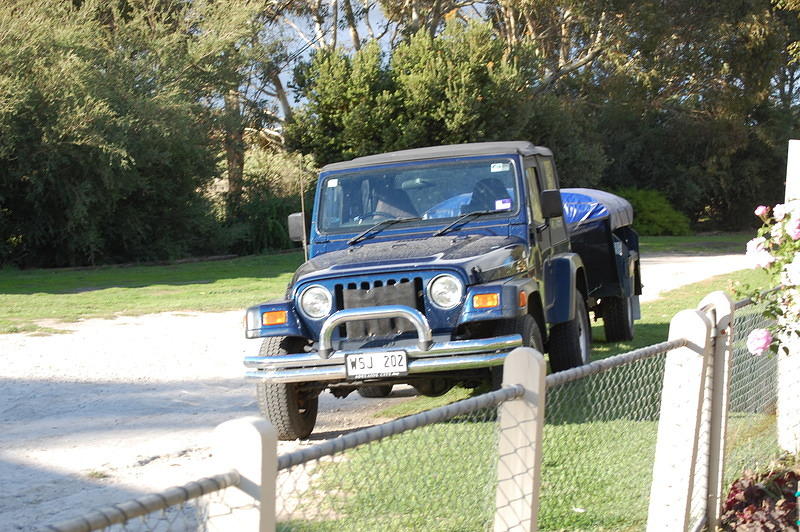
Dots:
{"x": 534, "y": 207}
{"x": 549, "y": 172}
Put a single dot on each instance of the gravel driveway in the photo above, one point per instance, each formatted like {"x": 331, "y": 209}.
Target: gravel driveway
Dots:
{"x": 117, "y": 408}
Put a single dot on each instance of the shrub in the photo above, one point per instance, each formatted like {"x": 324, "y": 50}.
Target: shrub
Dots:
{"x": 270, "y": 192}
{"x": 653, "y": 215}
{"x": 762, "y": 501}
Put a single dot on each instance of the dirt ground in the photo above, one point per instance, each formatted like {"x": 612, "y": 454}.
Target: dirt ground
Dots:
{"x": 113, "y": 409}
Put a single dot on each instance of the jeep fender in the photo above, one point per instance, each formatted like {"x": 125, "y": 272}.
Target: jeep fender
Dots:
{"x": 509, "y": 300}
{"x": 563, "y": 275}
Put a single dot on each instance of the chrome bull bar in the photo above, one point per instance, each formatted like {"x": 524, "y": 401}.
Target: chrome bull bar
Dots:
{"x": 417, "y": 319}
{"x": 425, "y": 357}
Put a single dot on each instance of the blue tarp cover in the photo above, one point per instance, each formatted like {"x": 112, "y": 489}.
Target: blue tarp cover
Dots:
{"x": 583, "y": 205}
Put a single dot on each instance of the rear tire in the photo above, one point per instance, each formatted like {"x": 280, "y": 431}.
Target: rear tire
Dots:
{"x": 375, "y": 391}
{"x": 291, "y": 410}
{"x": 570, "y": 344}
{"x": 618, "y": 319}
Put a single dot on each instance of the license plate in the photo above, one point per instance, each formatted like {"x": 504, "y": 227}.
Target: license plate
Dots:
{"x": 374, "y": 365}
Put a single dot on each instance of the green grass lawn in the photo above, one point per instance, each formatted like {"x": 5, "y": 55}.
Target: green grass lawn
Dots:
{"x": 442, "y": 478}
{"x": 29, "y": 298}
{"x": 701, "y": 244}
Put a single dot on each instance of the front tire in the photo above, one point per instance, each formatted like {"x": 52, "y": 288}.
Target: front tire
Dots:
{"x": 290, "y": 409}
{"x": 570, "y": 344}
{"x": 618, "y": 319}
{"x": 375, "y": 391}
{"x": 528, "y": 328}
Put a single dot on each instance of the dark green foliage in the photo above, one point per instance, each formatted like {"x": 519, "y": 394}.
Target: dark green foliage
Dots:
{"x": 458, "y": 87}
{"x": 104, "y": 144}
{"x": 653, "y": 215}
{"x": 570, "y": 129}
{"x": 270, "y": 193}
{"x": 114, "y": 117}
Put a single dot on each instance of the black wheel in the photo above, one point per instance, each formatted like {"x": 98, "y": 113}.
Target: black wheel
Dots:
{"x": 290, "y": 409}
{"x": 526, "y": 326}
{"x": 570, "y": 343}
{"x": 433, "y": 387}
{"x": 618, "y": 318}
{"x": 375, "y": 390}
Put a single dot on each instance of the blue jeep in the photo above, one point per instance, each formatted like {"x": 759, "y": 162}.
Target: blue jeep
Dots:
{"x": 427, "y": 266}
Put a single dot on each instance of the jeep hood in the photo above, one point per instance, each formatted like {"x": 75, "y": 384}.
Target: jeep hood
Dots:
{"x": 480, "y": 258}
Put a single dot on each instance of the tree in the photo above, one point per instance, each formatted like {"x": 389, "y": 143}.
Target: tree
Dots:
{"x": 105, "y": 144}
{"x": 454, "y": 88}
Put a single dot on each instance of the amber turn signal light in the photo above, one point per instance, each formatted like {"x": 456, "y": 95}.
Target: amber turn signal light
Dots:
{"x": 276, "y": 317}
{"x": 486, "y": 300}
{"x": 523, "y": 299}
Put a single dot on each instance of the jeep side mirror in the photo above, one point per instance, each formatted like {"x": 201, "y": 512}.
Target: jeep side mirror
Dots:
{"x": 296, "y": 229}
{"x": 551, "y": 203}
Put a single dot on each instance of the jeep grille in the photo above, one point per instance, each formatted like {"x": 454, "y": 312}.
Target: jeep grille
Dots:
{"x": 405, "y": 291}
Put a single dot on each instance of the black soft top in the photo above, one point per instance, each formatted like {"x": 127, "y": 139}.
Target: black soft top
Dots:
{"x": 438, "y": 152}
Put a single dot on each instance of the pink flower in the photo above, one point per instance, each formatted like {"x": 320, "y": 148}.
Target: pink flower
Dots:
{"x": 793, "y": 228}
{"x": 790, "y": 276}
{"x": 761, "y": 211}
{"x": 758, "y": 341}
{"x": 758, "y": 252}
{"x": 756, "y": 245}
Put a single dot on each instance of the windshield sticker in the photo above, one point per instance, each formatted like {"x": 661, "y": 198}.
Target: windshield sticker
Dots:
{"x": 500, "y": 167}
{"x": 502, "y": 204}
{"x": 332, "y": 183}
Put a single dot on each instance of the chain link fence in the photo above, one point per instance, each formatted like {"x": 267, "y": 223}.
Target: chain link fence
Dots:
{"x": 440, "y": 476}
{"x": 751, "y": 436}
{"x": 599, "y": 442}
{"x": 197, "y": 506}
{"x": 438, "y": 470}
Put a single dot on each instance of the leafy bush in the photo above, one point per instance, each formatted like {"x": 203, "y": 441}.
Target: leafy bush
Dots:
{"x": 653, "y": 215}
{"x": 270, "y": 192}
{"x": 762, "y": 501}
{"x": 105, "y": 141}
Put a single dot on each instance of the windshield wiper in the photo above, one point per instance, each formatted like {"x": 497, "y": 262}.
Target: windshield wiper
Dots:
{"x": 383, "y": 224}
{"x": 461, "y": 219}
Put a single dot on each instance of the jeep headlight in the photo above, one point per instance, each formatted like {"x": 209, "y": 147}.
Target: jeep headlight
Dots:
{"x": 445, "y": 291}
{"x": 316, "y": 302}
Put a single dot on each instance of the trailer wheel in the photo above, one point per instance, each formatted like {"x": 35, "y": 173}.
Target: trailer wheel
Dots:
{"x": 570, "y": 343}
{"x": 290, "y": 409}
{"x": 375, "y": 390}
{"x": 618, "y": 319}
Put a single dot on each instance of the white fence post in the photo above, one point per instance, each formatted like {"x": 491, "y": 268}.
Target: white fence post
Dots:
{"x": 788, "y": 417}
{"x": 519, "y": 464}
{"x": 249, "y": 445}
{"x": 723, "y": 307}
{"x": 679, "y": 424}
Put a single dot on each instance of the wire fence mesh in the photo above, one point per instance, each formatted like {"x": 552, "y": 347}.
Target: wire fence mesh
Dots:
{"x": 599, "y": 445}
{"x": 200, "y": 506}
{"x": 751, "y": 436}
{"x": 440, "y": 476}
{"x": 598, "y": 449}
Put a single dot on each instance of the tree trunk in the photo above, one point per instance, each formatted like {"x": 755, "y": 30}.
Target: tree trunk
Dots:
{"x": 234, "y": 150}
{"x": 352, "y": 24}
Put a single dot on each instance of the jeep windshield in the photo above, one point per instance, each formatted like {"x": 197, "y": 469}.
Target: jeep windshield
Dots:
{"x": 428, "y": 192}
